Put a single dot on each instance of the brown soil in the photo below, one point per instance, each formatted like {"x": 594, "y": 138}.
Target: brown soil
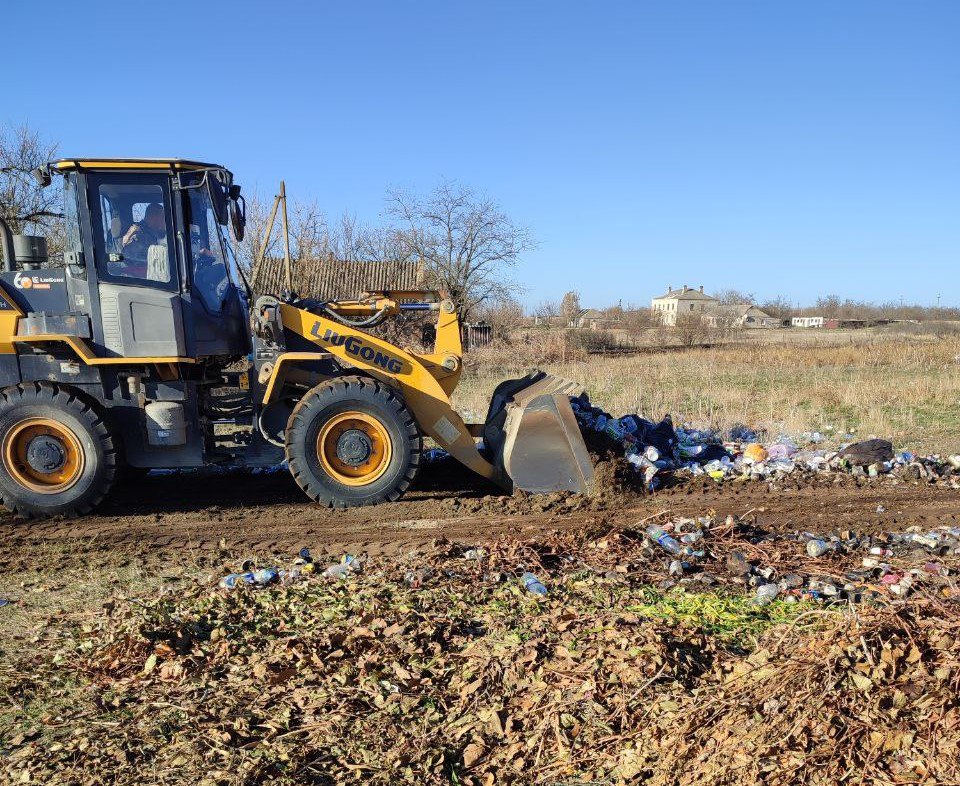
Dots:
{"x": 163, "y": 517}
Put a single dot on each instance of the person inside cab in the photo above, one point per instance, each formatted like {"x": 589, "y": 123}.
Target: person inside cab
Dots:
{"x": 151, "y": 230}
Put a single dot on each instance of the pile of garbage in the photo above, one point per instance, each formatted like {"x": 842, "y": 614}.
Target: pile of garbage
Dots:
{"x": 661, "y": 452}
{"x": 553, "y": 661}
{"x": 838, "y": 568}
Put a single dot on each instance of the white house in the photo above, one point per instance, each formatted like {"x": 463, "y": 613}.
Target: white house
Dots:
{"x": 807, "y": 322}
{"x": 681, "y": 301}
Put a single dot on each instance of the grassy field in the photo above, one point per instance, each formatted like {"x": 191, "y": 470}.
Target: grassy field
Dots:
{"x": 906, "y": 388}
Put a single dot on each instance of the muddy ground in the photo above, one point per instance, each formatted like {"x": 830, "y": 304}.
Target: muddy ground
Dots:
{"x": 165, "y": 518}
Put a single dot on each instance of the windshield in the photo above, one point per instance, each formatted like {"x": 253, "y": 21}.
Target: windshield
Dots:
{"x": 211, "y": 254}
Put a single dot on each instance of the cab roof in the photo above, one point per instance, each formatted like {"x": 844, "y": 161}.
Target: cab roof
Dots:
{"x": 67, "y": 164}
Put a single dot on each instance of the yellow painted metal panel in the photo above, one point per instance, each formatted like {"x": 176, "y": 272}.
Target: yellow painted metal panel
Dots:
{"x": 85, "y": 354}
{"x": 426, "y": 398}
{"x": 8, "y": 324}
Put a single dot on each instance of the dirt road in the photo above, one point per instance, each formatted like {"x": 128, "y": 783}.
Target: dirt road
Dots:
{"x": 161, "y": 517}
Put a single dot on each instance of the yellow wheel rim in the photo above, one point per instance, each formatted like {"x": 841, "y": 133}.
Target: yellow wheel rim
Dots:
{"x": 42, "y": 455}
{"x": 354, "y": 448}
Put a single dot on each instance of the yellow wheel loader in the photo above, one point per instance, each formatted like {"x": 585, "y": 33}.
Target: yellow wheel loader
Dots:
{"x": 145, "y": 348}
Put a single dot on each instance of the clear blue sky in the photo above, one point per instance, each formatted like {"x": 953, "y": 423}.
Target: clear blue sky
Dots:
{"x": 795, "y": 148}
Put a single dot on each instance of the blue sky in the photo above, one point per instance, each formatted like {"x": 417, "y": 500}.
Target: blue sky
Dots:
{"x": 795, "y": 148}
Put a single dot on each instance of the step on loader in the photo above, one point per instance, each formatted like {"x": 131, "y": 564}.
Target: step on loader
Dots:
{"x": 144, "y": 347}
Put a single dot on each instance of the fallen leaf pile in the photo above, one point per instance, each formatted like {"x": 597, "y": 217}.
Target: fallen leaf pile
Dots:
{"x": 467, "y": 678}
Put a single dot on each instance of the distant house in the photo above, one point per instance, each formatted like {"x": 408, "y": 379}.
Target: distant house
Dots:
{"x": 589, "y": 318}
{"x": 808, "y": 322}
{"x": 677, "y": 302}
{"x": 740, "y": 315}
{"x": 681, "y": 301}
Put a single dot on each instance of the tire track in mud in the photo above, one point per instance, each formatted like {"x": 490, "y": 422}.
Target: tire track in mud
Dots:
{"x": 174, "y": 516}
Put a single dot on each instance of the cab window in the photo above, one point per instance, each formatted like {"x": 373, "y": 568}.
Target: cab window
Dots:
{"x": 136, "y": 235}
{"x": 210, "y": 276}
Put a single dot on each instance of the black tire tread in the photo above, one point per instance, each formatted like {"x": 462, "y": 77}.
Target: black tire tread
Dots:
{"x": 81, "y": 406}
{"x": 342, "y": 388}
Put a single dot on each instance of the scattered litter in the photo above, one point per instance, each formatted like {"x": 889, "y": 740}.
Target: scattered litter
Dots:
{"x": 532, "y": 584}
{"x": 341, "y": 570}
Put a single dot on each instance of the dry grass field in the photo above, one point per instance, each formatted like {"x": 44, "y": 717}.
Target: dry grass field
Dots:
{"x": 904, "y": 387}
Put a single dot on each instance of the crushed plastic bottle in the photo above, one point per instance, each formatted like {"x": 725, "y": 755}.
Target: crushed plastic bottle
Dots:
{"x": 532, "y": 584}
{"x": 341, "y": 570}
{"x": 766, "y": 593}
{"x": 662, "y": 538}
{"x": 233, "y": 579}
{"x": 817, "y": 547}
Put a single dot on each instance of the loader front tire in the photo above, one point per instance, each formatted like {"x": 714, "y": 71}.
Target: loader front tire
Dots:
{"x": 57, "y": 455}
{"x": 351, "y": 441}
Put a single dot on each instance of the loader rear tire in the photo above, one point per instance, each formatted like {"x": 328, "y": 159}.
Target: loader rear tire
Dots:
{"x": 57, "y": 455}
{"x": 352, "y": 441}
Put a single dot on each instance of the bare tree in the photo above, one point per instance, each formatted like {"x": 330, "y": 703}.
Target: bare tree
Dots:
{"x": 779, "y": 307}
{"x": 691, "y": 329}
{"x": 547, "y": 311}
{"x": 570, "y": 306}
{"x": 466, "y": 241}
{"x": 27, "y": 207}
{"x": 502, "y": 315}
{"x": 255, "y": 240}
{"x": 636, "y": 319}
{"x": 734, "y": 297}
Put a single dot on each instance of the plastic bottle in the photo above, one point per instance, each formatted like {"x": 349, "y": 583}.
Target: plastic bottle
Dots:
{"x": 342, "y": 569}
{"x": 663, "y": 539}
{"x": 816, "y": 547}
{"x": 265, "y": 576}
{"x": 475, "y": 554}
{"x": 766, "y": 593}
{"x": 532, "y": 584}
{"x": 677, "y": 567}
{"x": 232, "y": 580}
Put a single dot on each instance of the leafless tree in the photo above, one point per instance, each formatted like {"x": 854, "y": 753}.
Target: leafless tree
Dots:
{"x": 502, "y": 315}
{"x": 636, "y": 319}
{"x": 570, "y": 306}
{"x": 255, "y": 238}
{"x": 548, "y": 311}
{"x": 691, "y": 329}
{"x": 27, "y": 207}
{"x": 779, "y": 307}
{"x": 733, "y": 297}
{"x": 467, "y": 242}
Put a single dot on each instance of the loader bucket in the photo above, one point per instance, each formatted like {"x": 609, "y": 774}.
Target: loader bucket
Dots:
{"x": 533, "y": 437}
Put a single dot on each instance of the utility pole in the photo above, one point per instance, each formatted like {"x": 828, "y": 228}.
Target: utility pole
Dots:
{"x": 278, "y": 200}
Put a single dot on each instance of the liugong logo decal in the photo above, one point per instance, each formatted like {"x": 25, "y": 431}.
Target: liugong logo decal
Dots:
{"x": 355, "y": 346}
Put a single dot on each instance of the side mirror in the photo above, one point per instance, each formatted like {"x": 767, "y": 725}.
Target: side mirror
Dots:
{"x": 238, "y": 214}
{"x": 42, "y": 175}
{"x": 219, "y": 199}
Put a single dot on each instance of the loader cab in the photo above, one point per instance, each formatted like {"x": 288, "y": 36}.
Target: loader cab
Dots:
{"x": 152, "y": 245}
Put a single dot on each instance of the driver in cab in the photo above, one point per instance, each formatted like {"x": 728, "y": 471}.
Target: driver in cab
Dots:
{"x": 149, "y": 231}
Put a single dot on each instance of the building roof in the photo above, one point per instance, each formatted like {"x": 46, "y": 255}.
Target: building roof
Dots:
{"x": 686, "y": 293}
{"x": 741, "y": 310}
{"x": 589, "y": 313}
{"x": 329, "y": 279}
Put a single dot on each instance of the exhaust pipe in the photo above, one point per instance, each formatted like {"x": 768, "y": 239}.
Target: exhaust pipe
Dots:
{"x": 6, "y": 240}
